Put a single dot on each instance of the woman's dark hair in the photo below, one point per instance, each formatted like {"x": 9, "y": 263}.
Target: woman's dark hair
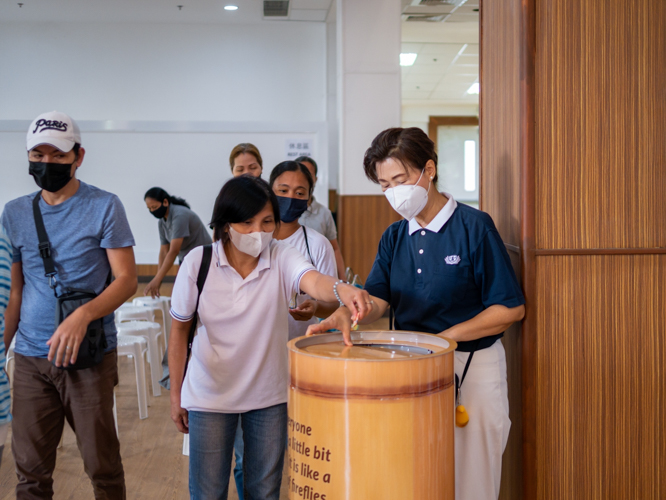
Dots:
{"x": 410, "y": 146}
{"x": 291, "y": 166}
{"x": 240, "y": 199}
{"x": 245, "y": 147}
{"x": 159, "y": 194}
{"x": 301, "y": 159}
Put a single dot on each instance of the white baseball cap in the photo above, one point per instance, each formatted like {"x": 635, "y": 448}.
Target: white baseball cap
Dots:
{"x": 56, "y": 129}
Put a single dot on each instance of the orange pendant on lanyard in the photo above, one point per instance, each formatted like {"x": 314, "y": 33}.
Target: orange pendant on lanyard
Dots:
{"x": 462, "y": 417}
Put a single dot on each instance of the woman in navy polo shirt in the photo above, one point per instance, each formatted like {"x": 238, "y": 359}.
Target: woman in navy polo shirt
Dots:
{"x": 445, "y": 270}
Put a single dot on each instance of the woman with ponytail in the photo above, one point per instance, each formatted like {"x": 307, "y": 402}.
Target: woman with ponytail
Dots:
{"x": 180, "y": 230}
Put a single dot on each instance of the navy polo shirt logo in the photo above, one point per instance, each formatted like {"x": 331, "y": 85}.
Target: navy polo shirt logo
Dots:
{"x": 452, "y": 260}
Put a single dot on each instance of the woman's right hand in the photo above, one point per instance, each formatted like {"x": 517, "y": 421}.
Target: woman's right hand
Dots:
{"x": 179, "y": 417}
{"x": 339, "y": 320}
{"x": 152, "y": 289}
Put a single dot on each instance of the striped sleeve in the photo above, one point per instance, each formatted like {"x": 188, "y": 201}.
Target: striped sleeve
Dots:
{"x": 5, "y": 271}
{"x": 5, "y": 277}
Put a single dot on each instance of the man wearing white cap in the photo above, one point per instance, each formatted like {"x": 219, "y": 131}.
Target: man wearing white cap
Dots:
{"x": 88, "y": 236}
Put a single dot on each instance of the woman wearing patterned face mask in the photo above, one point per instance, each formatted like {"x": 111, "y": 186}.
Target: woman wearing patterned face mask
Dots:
{"x": 444, "y": 270}
{"x": 238, "y": 368}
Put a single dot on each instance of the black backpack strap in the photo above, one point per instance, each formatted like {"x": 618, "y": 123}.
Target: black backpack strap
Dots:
{"x": 44, "y": 243}
{"x": 307, "y": 245}
{"x": 201, "y": 280}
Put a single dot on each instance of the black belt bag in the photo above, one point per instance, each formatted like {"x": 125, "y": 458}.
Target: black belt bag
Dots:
{"x": 91, "y": 350}
{"x": 93, "y": 346}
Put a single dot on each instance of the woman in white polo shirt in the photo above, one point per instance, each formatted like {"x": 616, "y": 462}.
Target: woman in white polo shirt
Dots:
{"x": 292, "y": 183}
{"x": 238, "y": 367}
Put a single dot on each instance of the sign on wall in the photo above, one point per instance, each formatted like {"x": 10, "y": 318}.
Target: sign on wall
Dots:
{"x": 297, "y": 147}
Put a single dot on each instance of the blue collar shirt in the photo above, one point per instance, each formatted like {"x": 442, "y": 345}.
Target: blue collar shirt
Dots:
{"x": 448, "y": 272}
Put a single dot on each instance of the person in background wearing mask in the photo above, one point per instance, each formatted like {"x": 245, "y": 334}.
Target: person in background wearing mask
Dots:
{"x": 320, "y": 218}
{"x": 89, "y": 236}
{"x": 238, "y": 369}
{"x": 180, "y": 230}
{"x": 5, "y": 283}
{"x": 444, "y": 270}
{"x": 246, "y": 159}
{"x": 292, "y": 184}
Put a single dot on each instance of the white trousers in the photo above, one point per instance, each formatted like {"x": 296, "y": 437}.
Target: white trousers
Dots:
{"x": 480, "y": 444}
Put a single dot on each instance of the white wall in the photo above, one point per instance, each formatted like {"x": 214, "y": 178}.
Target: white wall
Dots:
{"x": 332, "y": 99}
{"x": 163, "y": 104}
{"x": 164, "y": 72}
{"x": 368, "y": 48}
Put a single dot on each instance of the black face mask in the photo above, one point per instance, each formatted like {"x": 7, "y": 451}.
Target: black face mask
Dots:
{"x": 291, "y": 208}
{"x": 51, "y": 177}
{"x": 159, "y": 213}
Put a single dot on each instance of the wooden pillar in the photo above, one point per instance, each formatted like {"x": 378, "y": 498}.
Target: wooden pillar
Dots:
{"x": 573, "y": 151}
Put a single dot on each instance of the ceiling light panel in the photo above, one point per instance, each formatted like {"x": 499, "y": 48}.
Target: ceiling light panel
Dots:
{"x": 407, "y": 59}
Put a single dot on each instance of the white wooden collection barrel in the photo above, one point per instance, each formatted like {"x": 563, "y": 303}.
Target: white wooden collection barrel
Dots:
{"x": 371, "y": 421}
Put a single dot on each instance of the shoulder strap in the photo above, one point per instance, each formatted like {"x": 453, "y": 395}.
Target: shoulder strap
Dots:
{"x": 307, "y": 245}
{"x": 201, "y": 280}
{"x": 44, "y": 243}
{"x": 459, "y": 382}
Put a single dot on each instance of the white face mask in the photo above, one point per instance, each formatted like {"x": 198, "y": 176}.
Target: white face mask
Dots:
{"x": 408, "y": 200}
{"x": 251, "y": 243}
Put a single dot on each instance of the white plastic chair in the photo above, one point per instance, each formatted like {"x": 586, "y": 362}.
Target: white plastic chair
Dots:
{"x": 134, "y": 347}
{"x": 186, "y": 445}
{"x": 9, "y": 358}
{"x": 130, "y": 312}
{"x": 161, "y": 304}
{"x": 151, "y": 332}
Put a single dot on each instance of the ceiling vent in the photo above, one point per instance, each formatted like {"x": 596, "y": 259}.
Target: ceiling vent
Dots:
{"x": 427, "y": 19}
{"x": 429, "y": 11}
{"x": 276, "y": 8}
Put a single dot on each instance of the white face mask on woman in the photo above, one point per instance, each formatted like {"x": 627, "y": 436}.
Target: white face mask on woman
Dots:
{"x": 408, "y": 200}
{"x": 251, "y": 243}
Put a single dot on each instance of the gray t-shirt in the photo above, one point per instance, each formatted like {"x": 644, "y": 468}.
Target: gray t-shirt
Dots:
{"x": 183, "y": 223}
{"x": 80, "y": 230}
{"x": 319, "y": 218}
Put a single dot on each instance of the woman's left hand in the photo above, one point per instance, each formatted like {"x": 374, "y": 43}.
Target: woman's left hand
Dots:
{"x": 357, "y": 301}
{"x": 305, "y": 311}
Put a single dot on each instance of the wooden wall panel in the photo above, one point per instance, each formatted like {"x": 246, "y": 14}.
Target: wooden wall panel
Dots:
{"x": 361, "y": 222}
{"x": 500, "y": 138}
{"x": 151, "y": 270}
{"x": 601, "y": 123}
{"x": 591, "y": 118}
{"x": 601, "y": 377}
{"x": 500, "y": 185}
{"x": 511, "y": 487}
